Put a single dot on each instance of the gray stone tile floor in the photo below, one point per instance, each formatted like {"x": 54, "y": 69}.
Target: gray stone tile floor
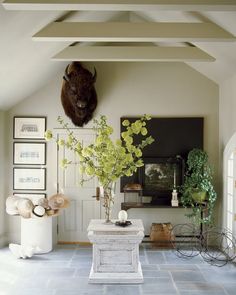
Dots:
{"x": 65, "y": 271}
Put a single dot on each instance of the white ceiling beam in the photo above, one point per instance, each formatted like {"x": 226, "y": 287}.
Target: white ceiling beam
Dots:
{"x": 132, "y": 32}
{"x": 133, "y": 53}
{"x": 122, "y": 5}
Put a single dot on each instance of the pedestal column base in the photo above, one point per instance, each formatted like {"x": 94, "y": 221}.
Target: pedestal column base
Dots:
{"x": 116, "y": 252}
{"x": 116, "y": 277}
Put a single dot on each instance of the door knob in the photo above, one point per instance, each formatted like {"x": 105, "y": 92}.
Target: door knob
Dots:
{"x": 97, "y": 196}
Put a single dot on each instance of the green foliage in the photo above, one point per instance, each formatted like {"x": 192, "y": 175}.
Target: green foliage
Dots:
{"x": 107, "y": 159}
{"x": 198, "y": 177}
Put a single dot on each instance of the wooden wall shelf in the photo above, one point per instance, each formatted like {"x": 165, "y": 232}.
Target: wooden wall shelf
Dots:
{"x": 127, "y": 206}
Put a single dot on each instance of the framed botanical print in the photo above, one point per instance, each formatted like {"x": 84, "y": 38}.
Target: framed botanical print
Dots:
{"x": 29, "y": 178}
{"x": 29, "y": 127}
{"x": 29, "y": 153}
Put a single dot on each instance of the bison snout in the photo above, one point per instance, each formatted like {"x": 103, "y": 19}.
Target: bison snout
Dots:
{"x": 81, "y": 104}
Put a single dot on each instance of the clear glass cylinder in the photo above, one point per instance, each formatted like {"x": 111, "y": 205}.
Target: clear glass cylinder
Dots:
{"x": 108, "y": 193}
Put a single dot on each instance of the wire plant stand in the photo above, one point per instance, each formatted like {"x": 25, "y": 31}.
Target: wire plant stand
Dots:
{"x": 216, "y": 246}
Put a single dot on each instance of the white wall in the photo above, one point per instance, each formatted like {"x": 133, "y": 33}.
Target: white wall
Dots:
{"x": 131, "y": 89}
{"x": 227, "y": 120}
{"x": 2, "y": 179}
{"x": 227, "y": 106}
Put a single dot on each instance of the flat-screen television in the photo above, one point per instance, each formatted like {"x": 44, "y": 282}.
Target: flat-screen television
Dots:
{"x": 174, "y": 138}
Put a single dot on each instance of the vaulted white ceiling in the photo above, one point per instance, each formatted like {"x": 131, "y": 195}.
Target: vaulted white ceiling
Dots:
{"x": 26, "y": 63}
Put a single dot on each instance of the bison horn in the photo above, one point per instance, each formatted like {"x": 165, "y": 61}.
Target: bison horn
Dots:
{"x": 66, "y": 76}
{"x": 95, "y": 75}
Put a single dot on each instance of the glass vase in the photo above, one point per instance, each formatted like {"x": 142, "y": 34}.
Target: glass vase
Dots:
{"x": 108, "y": 194}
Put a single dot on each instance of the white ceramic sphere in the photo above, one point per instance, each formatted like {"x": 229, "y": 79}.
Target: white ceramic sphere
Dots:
{"x": 122, "y": 216}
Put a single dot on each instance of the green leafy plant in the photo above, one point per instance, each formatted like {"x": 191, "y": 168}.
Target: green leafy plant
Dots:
{"x": 197, "y": 185}
{"x": 107, "y": 159}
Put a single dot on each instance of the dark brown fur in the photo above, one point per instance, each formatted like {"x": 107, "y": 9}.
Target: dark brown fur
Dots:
{"x": 78, "y": 94}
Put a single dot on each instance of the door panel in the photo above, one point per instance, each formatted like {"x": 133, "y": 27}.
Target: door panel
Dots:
{"x": 73, "y": 222}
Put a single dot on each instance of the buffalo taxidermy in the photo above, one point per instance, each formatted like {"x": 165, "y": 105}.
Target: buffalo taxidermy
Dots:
{"x": 78, "y": 95}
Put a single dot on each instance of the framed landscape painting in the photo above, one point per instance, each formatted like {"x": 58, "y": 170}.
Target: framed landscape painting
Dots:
{"x": 159, "y": 176}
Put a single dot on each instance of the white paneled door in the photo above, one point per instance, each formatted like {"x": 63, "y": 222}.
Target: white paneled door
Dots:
{"x": 73, "y": 221}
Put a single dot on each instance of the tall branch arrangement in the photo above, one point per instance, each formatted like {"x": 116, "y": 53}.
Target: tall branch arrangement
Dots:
{"x": 107, "y": 159}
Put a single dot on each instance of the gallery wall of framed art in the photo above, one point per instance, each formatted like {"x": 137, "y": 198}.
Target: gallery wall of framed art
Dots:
{"x": 29, "y": 157}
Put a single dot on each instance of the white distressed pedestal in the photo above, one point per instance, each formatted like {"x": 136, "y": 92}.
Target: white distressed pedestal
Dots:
{"x": 115, "y": 252}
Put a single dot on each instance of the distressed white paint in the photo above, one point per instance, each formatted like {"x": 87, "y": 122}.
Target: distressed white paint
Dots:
{"x": 115, "y": 252}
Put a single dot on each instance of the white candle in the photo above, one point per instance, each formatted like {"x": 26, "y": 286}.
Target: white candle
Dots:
{"x": 122, "y": 216}
{"x": 174, "y": 178}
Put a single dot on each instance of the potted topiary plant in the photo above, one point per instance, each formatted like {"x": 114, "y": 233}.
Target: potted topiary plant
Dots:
{"x": 197, "y": 189}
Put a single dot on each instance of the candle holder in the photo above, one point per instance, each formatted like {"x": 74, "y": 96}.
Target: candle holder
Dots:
{"x": 174, "y": 201}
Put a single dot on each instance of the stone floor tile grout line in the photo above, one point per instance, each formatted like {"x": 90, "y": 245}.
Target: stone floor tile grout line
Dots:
{"x": 221, "y": 286}
{"x": 226, "y": 293}
{"x": 173, "y": 282}
{"x": 145, "y": 255}
{"x": 163, "y": 254}
{"x": 140, "y": 287}
{"x": 47, "y": 283}
{"x": 76, "y": 270}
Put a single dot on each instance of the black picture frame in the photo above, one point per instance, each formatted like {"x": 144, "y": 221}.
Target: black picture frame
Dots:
{"x": 26, "y": 179}
{"x": 29, "y": 153}
{"x": 26, "y": 127}
{"x": 34, "y": 197}
{"x": 159, "y": 176}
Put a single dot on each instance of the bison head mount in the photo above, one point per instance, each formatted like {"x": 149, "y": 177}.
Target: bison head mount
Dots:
{"x": 78, "y": 94}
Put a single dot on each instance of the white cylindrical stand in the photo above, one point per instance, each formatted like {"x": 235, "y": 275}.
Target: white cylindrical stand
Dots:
{"x": 37, "y": 232}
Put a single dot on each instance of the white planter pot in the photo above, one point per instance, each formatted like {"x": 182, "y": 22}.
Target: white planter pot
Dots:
{"x": 37, "y": 232}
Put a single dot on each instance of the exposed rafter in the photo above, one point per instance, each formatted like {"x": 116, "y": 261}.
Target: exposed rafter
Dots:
{"x": 132, "y": 32}
{"x": 133, "y": 53}
{"x": 122, "y": 5}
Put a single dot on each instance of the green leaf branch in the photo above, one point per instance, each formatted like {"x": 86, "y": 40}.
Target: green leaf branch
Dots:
{"x": 107, "y": 159}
